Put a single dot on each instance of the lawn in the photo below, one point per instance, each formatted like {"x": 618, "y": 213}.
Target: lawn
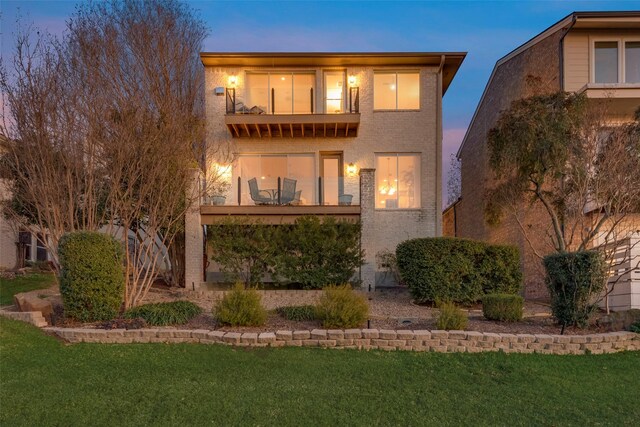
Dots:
{"x": 45, "y": 382}
{"x": 30, "y": 282}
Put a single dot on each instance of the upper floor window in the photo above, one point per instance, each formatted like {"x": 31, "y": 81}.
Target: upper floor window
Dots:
{"x": 616, "y": 61}
{"x": 280, "y": 93}
{"x": 397, "y": 181}
{"x": 334, "y": 92}
{"x": 396, "y": 90}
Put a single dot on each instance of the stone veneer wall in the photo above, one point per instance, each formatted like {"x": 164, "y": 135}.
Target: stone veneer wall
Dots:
{"x": 369, "y": 339}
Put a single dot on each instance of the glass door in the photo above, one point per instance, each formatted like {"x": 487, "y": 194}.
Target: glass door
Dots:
{"x": 334, "y": 93}
{"x": 331, "y": 172}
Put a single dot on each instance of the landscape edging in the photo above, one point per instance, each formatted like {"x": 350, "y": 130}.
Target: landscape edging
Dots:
{"x": 369, "y": 339}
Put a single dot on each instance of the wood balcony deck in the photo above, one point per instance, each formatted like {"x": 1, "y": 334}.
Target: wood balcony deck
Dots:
{"x": 275, "y": 214}
{"x": 293, "y": 125}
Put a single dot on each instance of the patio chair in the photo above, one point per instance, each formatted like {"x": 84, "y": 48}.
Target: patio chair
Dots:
{"x": 288, "y": 193}
{"x": 296, "y": 198}
{"x": 260, "y": 197}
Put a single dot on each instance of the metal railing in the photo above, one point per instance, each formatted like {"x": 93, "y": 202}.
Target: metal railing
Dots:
{"x": 230, "y": 96}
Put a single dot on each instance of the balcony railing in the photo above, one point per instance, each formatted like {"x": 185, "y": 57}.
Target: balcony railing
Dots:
{"x": 254, "y": 122}
{"x": 283, "y": 191}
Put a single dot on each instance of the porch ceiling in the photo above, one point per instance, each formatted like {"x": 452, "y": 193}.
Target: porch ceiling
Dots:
{"x": 293, "y": 125}
{"x": 210, "y": 214}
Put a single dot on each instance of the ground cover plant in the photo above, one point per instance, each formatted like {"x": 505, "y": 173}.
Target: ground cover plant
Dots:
{"x": 159, "y": 384}
{"x": 502, "y": 307}
{"x": 165, "y": 313}
{"x": 26, "y": 283}
{"x": 298, "y": 313}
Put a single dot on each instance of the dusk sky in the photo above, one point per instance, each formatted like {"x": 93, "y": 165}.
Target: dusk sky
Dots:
{"x": 487, "y": 30}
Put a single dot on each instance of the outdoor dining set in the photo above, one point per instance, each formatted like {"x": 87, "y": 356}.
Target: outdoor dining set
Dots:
{"x": 285, "y": 194}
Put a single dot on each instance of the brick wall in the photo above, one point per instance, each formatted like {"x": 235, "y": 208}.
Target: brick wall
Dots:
{"x": 533, "y": 71}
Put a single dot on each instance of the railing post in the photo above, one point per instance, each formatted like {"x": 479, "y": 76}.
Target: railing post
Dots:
{"x": 239, "y": 191}
{"x": 273, "y": 101}
{"x": 320, "y": 190}
{"x": 311, "y": 100}
{"x": 279, "y": 190}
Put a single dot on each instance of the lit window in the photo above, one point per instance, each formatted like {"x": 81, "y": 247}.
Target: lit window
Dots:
{"x": 279, "y": 93}
{"x": 397, "y": 181}
{"x": 396, "y": 91}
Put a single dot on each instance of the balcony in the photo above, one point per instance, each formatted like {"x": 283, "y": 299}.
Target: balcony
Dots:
{"x": 280, "y": 200}
{"x": 254, "y": 122}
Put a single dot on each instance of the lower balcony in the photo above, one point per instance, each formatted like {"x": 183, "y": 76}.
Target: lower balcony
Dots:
{"x": 211, "y": 214}
{"x": 293, "y": 125}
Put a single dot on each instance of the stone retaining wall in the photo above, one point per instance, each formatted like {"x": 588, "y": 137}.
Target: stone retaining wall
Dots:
{"x": 33, "y": 317}
{"x": 365, "y": 339}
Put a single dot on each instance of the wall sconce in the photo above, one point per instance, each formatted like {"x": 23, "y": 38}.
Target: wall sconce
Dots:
{"x": 233, "y": 79}
{"x": 352, "y": 80}
{"x": 351, "y": 169}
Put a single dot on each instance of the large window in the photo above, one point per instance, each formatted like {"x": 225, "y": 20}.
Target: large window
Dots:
{"x": 397, "y": 181}
{"x": 267, "y": 168}
{"x": 334, "y": 92}
{"x": 280, "y": 93}
{"x": 616, "y": 61}
{"x": 396, "y": 91}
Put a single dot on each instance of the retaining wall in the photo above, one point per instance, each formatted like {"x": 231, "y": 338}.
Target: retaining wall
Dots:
{"x": 366, "y": 339}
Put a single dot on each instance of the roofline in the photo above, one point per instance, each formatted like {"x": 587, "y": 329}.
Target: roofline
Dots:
{"x": 570, "y": 19}
{"x": 448, "y": 63}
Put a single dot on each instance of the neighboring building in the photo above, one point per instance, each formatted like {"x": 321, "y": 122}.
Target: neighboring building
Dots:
{"x": 449, "y": 220}
{"x": 596, "y": 53}
{"x": 359, "y": 133}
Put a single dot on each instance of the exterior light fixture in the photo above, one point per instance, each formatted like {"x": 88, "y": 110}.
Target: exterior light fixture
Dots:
{"x": 352, "y": 80}
{"x": 351, "y": 169}
{"x": 233, "y": 79}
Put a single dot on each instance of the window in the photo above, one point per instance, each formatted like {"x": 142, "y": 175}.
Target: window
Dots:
{"x": 396, "y": 91}
{"x": 280, "y": 93}
{"x": 334, "y": 92}
{"x": 267, "y": 168}
{"x": 397, "y": 181}
{"x": 616, "y": 61}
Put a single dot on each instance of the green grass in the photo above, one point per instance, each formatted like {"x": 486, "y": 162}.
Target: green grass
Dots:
{"x": 45, "y": 382}
{"x": 30, "y": 282}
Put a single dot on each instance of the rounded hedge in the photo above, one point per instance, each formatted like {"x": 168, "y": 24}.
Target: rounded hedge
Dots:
{"x": 457, "y": 270}
{"x": 91, "y": 276}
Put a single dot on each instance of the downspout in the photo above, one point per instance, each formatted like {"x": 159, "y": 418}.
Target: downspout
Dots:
{"x": 439, "y": 147}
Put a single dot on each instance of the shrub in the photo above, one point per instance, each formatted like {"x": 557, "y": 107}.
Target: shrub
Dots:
{"x": 502, "y": 307}
{"x": 244, "y": 250}
{"x": 165, "y": 313}
{"x": 241, "y": 307}
{"x": 341, "y": 307}
{"x": 499, "y": 270}
{"x": 298, "y": 313}
{"x": 318, "y": 252}
{"x": 574, "y": 280}
{"x": 451, "y": 317}
{"x": 635, "y": 327}
{"x": 91, "y": 276}
{"x": 458, "y": 270}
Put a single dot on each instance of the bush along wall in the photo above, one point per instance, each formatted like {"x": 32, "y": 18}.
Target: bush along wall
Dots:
{"x": 457, "y": 270}
{"x": 91, "y": 276}
{"x": 313, "y": 252}
{"x": 575, "y": 280}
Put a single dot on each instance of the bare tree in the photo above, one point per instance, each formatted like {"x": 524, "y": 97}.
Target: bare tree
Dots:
{"x": 130, "y": 95}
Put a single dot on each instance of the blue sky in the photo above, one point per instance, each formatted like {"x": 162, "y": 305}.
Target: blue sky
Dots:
{"x": 487, "y": 30}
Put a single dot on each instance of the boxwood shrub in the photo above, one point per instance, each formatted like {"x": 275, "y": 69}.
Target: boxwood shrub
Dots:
{"x": 574, "y": 280}
{"x": 91, "y": 276}
{"x": 457, "y": 270}
{"x": 165, "y": 313}
{"x": 342, "y": 307}
{"x": 502, "y": 307}
{"x": 240, "y": 307}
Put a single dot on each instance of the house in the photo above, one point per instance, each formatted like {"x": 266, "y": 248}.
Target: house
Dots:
{"x": 596, "y": 53}
{"x": 357, "y": 136}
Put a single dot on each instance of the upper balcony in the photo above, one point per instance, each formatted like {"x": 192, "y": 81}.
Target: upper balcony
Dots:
{"x": 276, "y": 121}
